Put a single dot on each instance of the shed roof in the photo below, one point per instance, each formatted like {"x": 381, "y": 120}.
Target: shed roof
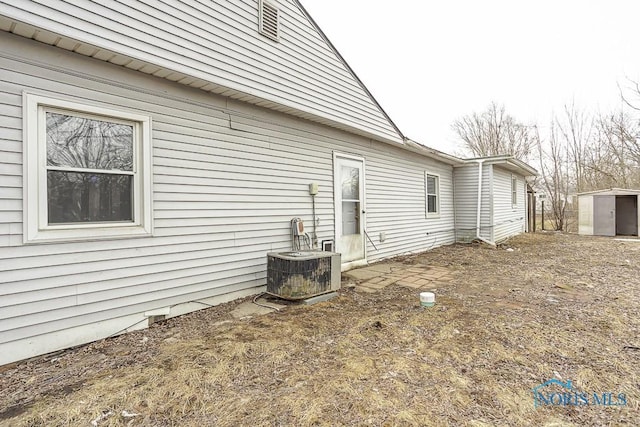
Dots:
{"x": 611, "y": 192}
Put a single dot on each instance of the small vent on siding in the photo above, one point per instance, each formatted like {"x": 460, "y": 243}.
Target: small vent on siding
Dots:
{"x": 269, "y": 20}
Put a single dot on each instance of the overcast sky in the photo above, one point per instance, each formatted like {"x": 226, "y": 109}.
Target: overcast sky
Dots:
{"x": 430, "y": 62}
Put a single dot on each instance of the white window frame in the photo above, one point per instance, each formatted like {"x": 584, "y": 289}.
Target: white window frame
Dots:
{"x": 514, "y": 191}
{"x": 35, "y": 198}
{"x": 428, "y": 214}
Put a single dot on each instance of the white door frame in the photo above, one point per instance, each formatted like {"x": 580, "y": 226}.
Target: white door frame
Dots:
{"x": 337, "y": 208}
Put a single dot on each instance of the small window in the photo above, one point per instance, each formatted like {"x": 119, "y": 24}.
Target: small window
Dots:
{"x": 269, "y": 17}
{"x": 88, "y": 171}
{"x": 514, "y": 190}
{"x": 432, "y": 184}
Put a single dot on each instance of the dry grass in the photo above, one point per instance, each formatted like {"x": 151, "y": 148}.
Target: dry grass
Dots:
{"x": 558, "y": 306}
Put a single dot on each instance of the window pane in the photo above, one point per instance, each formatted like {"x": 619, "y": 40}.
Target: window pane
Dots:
{"x": 88, "y": 143}
{"x": 88, "y": 197}
{"x": 431, "y": 184}
{"x": 432, "y": 204}
{"x": 350, "y": 218}
{"x": 350, "y": 183}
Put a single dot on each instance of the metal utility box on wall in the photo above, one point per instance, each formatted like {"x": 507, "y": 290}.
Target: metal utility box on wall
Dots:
{"x": 303, "y": 274}
{"x": 610, "y": 212}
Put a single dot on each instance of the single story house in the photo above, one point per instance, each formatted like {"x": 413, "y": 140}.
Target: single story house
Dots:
{"x": 610, "y": 212}
{"x": 153, "y": 152}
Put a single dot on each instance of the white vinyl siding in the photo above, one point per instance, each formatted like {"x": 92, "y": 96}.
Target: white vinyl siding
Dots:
{"x": 214, "y": 46}
{"x": 227, "y": 179}
{"x": 499, "y": 218}
{"x": 466, "y": 199}
{"x": 509, "y": 219}
{"x": 395, "y": 204}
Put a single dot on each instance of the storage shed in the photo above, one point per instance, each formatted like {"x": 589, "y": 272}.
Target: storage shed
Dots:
{"x": 612, "y": 212}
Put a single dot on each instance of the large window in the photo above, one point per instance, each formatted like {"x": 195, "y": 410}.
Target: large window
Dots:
{"x": 432, "y": 184}
{"x": 88, "y": 171}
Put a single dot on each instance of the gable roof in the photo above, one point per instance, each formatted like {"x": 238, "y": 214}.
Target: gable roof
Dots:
{"x": 349, "y": 68}
{"x": 214, "y": 46}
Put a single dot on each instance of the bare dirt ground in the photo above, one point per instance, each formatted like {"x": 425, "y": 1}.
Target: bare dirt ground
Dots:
{"x": 556, "y": 306}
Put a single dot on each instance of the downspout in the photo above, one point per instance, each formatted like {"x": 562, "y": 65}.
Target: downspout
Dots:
{"x": 479, "y": 205}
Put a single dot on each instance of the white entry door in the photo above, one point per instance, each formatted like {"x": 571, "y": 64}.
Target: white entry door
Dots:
{"x": 348, "y": 178}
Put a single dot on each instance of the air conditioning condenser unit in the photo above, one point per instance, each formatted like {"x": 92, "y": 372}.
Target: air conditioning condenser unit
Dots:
{"x": 303, "y": 274}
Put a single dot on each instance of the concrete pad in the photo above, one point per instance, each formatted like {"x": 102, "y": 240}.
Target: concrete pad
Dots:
{"x": 365, "y": 273}
{"x": 414, "y": 270}
{"x": 375, "y": 285}
{"x": 320, "y": 298}
{"x": 396, "y": 276}
{"x": 408, "y": 284}
{"x": 272, "y": 301}
{"x": 385, "y": 267}
{"x": 360, "y": 288}
{"x": 388, "y": 281}
{"x": 439, "y": 271}
{"x": 424, "y": 266}
{"x": 249, "y": 309}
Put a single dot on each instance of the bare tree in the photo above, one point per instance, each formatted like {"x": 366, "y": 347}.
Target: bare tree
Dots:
{"x": 554, "y": 174}
{"x": 575, "y": 130}
{"x": 494, "y": 132}
{"x": 581, "y": 151}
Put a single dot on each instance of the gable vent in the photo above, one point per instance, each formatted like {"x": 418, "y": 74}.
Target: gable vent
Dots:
{"x": 269, "y": 20}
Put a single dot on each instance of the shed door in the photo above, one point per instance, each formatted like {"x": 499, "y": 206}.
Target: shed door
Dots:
{"x": 604, "y": 215}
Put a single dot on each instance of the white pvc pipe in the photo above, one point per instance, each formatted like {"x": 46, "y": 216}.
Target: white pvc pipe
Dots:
{"x": 479, "y": 207}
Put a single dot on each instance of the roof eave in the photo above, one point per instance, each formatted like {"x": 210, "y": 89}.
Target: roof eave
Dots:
{"x": 432, "y": 153}
{"x": 513, "y": 163}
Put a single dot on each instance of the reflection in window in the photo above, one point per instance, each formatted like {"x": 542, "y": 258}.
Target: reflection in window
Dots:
{"x": 78, "y": 142}
{"x": 350, "y": 177}
{"x": 88, "y": 197}
{"x": 350, "y": 183}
